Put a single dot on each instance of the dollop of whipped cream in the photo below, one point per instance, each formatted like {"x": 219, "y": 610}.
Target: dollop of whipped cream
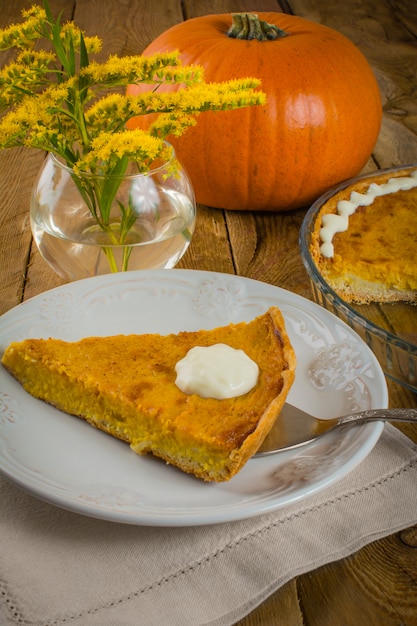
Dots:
{"x": 218, "y": 371}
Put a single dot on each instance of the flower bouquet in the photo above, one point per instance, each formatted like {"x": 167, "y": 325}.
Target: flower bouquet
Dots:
{"x": 55, "y": 97}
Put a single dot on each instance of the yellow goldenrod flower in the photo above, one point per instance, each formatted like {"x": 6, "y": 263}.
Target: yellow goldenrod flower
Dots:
{"x": 22, "y": 35}
{"x": 157, "y": 69}
{"x": 71, "y": 32}
{"x": 109, "y": 148}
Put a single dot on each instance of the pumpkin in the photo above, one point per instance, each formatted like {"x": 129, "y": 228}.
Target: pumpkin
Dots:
{"x": 318, "y": 128}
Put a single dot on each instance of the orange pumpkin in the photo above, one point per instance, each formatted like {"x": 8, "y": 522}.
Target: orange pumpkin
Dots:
{"x": 319, "y": 126}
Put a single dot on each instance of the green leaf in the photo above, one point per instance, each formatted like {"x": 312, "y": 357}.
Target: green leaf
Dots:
{"x": 71, "y": 59}
{"x": 111, "y": 184}
{"x": 128, "y": 219}
{"x": 59, "y": 48}
{"x": 48, "y": 12}
{"x": 84, "y": 62}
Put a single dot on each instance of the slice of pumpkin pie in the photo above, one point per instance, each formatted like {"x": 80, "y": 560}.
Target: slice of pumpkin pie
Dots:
{"x": 205, "y": 411}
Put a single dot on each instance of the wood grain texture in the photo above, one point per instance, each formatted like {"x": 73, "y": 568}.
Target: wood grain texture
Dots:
{"x": 405, "y": 11}
{"x": 210, "y": 249}
{"x": 265, "y": 246}
{"x": 18, "y": 165}
{"x": 126, "y": 26}
{"x": 378, "y": 585}
{"x": 359, "y": 589}
{"x": 280, "y": 609}
{"x": 197, "y": 8}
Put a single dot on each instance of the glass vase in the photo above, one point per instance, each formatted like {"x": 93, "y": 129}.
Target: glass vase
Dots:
{"x": 86, "y": 225}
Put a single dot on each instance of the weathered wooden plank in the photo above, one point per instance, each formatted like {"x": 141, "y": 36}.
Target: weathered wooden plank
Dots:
{"x": 196, "y": 8}
{"x": 126, "y": 28}
{"x": 405, "y": 11}
{"x": 209, "y": 249}
{"x": 18, "y": 168}
{"x": 359, "y": 589}
{"x": 265, "y": 247}
{"x": 280, "y": 609}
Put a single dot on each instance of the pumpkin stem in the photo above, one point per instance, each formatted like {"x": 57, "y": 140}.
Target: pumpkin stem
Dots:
{"x": 249, "y": 26}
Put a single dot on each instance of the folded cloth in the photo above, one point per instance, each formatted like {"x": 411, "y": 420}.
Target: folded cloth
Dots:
{"x": 58, "y": 567}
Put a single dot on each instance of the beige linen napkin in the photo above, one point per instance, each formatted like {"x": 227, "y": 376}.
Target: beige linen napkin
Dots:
{"x": 59, "y": 568}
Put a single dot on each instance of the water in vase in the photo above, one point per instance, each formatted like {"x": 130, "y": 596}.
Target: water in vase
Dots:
{"x": 75, "y": 247}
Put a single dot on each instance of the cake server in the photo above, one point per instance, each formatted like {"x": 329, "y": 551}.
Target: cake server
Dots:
{"x": 295, "y": 428}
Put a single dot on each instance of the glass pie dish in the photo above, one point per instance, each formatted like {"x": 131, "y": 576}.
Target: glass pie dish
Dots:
{"x": 390, "y": 330}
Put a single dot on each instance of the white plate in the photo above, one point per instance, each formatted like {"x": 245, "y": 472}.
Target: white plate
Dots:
{"x": 63, "y": 460}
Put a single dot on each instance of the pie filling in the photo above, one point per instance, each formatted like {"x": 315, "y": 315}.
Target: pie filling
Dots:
{"x": 365, "y": 240}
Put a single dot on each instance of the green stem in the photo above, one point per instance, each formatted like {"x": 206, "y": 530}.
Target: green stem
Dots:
{"x": 93, "y": 197}
{"x": 111, "y": 260}
{"x": 79, "y": 115}
{"x": 126, "y": 254}
{"x": 248, "y": 26}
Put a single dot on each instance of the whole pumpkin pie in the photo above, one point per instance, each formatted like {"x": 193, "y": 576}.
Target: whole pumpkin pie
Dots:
{"x": 364, "y": 240}
{"x": 127, "y": 386}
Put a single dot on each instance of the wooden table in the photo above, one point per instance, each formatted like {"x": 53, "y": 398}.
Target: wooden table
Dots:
{"x": 378, "y": 585}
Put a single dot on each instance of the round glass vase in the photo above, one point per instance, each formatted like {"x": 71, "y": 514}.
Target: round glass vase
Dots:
{"x": 86, "y": 225}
